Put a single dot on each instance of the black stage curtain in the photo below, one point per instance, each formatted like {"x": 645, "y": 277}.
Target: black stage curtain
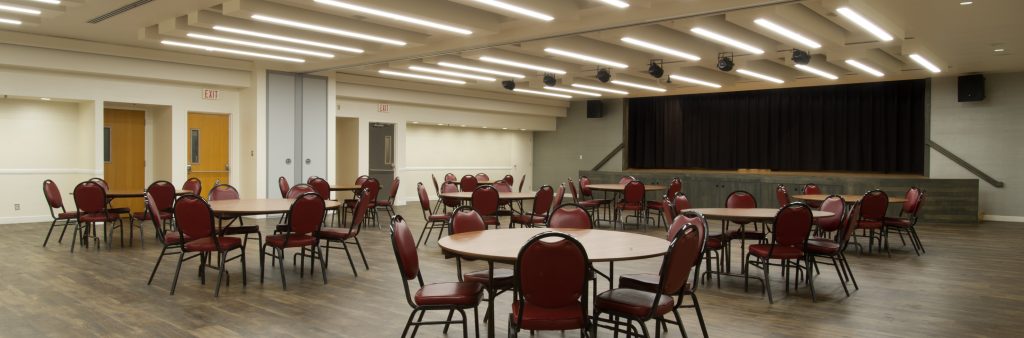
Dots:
{"x": 870, "y": 127}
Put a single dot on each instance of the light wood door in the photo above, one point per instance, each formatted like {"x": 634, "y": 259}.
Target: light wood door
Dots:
{"x": 124, "y": 165}
{"x": 208, "y": 148}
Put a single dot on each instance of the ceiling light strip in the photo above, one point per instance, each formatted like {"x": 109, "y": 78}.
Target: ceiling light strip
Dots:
{"x": 817, "y": 72}
{"x": 566, "y": 90}
{"x": 787, "y": 33}
{"x": 600, "y": 89}
{"x": 480, "y": 70}
{"x": 925, "y": 63}
{"x": 451, "y": 73}
{"x": 420, "y": 77}
{"x": 287, "y": 39}
{"x": 328, "y": 30}
{"x": 726, "y": 40}
{"x": 259, "y": 45}
{"x": 695, "y": 81}
{"x": 585, "y": 57}
{"x": 865, "y": 68}
{"x": 617, "y": 3}
{"x": 231, "y": 51}
{"x": 660, "y": 48}
{"x": 395, "y": 16}
{"x": 10, "y": 21}
{"x": 520, "y": 10}
{"x": 22, "y": 10}
{"x": 517, "y": 64}
{"x": 864, "y": 23}
{"x": 52, "y": 2}
{"x": 760, "y": 76}
{"x": 520, "y": 90}
{"x": 640, "y": 86}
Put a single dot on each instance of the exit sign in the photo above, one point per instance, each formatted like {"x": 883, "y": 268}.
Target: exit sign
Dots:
{"x": 383, "y": 108}
{"x": 211, "y": 94}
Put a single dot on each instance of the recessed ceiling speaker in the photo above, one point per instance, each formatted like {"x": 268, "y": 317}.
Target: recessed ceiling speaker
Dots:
{"x": 655, "y": 69}
{"x": 508, "y": 84}
{"x": 970, "y": 88}
{"x": 801, "y": 57}
{"x": 550, "y": 80}
{"x": 725, "y": 63}
{"x": 603, "y": 75}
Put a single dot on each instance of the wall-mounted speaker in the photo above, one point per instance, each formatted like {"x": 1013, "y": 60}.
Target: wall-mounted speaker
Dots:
{"x": 970, "y": 88}
{"x": 595, "y": 109}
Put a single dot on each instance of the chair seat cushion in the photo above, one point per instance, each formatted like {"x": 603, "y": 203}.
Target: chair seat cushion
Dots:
{"x": 599, "y": 201}
{"x": 211, "y": 243}
{"x": 822, "y": 246}
{"x": 714, "y": 243}
{"x": 144, "y": 216}
{"x": 780, "y": 251}
{"x": 336, "y": 234}
{"x": 97, "y": 217}
{"x": 439, "y": 217}
{"x": 632, "y": 302}
{"x": 174, "y": 237}
{"x": 491, "y": 220}
{"x": 542, "y": 318}
{"x": 502, "y": 278}
{"x": 241, "y": 230}
{"x": 290, "y": 241}
{"x": 897, "y": 222}
{"x": 528, "y": 219}
{"x": 644, "y": 282}
{"x": 67, "y": 215}
{"x": 467, "y": 294}
{"x": 590, "y": 203}
{"x": 869, "y": 224}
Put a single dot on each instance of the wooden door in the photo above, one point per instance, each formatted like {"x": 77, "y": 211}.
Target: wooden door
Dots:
{"x": 124, "y": 155}
{"x": 208, "y": 148}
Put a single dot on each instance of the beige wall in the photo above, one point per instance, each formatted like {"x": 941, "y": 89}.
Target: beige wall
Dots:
{"x": 347, "y": 150}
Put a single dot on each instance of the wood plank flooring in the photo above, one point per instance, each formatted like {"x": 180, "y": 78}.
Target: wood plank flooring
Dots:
{"x": 966, "y": 285}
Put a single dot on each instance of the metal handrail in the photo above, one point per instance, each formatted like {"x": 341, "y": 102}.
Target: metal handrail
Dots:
{"x": 974, "y": 170}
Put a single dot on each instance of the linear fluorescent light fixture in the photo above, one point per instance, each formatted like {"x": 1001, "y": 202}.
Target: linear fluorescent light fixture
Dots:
{"x": 585, "y": 57}
{"x": 287, "y": 39}
{"x": 726, "y": 40}
{"x": 600, "y": 89}
{"x": 640, "y": 86}
{"x": 925, "y": 63}
{"x": 420, "y": 77}
{"x": 695, "y": 81}
{"x": 865, "y": 68}
{"x": 864, "y": 23}
{"x": 480, "y": 70}
{"x": 660, "y": 48}
{"x": 395, "y": 16}
{"x": 760, "y": 76}
{"x": 513, "y": 8}
{"x": 517, "y": 64}
{"x": 616, "y": 3}
{"x": 534, "y": 92}
{"x": 817, "y": 72}
{"x": 22, "y": 10}
{"x": 259, "y": 45}
{"x": 787, "y": 33}
{"x": 328, "y": 30}
{"x": 10, "y": 21}
{"x": 451, "y": 73}
{"x": 566, "y": 90}
{"x": 231, "y": 51}
{"x": 52, "y": 2}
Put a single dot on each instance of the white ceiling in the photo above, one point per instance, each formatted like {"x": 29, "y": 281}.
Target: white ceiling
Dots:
{"x": 958, "y": 38}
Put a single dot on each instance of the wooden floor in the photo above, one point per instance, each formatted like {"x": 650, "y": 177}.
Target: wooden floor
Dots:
{"x": 966, "y": 285}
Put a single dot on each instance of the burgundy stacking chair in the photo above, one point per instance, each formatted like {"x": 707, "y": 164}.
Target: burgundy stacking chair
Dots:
{"x": 742, "y": 199}
{"x": 792, "y": 227}
{"x": 389, "y": 204}
{"x": 908, "y": 219}
{"x": 833, "y": 247}
{"x": 437, "y": 191}
{"x": 485, "y": 201}
{"x": 449, "y": 187}
{"x": 680, "y": 202}
{"x": 222, "y": 192}
{"x": 632, "y": 200}
{"x": 454, "y": 296}
{"x": 509, "y": 179}
{"x": 541, "y": 204}
{"x": 195, "y": 221}
{"x": 827, "y": 225}
{"x": 504, "y": 207}
{"x": 550, "y": 285}
{"x": 170, "y": 240}
{"x": 521, "y": 182}
{"x": 91, "y": 204}
{"x": 282, "y": 184}
{"x": 782, "y": 195}
{"x": 627, "y": 305}
{"x": 481, "y": 177}
{"x": 119, "y": 212}
{"x": 626, "y": 179}
{"x": 590, "y": 205}
{"x": 468, "y": 183}
{"x": 450, "y": 177}
{"x": 347, "y": 203}
{"x": 465, "y": 219}
{"x": 106, "y": 187}
{"x": 812, "y": 189}
{"x": 292, "y": 193}
{"x": 588, "y": 195}
{"x": 872, "y": 218}
{"x": 570, "y": 216}
{"x": 673, "y": 188}
{"x": 433, "y": 221}
{"x": 350, "y": 235}
{"x": 162, "y": 193}
{"x": 372, "y": 188}
{"x": 323, "y": 188}
{"x": 57, "y": 211}
{"x": 305, "y": 217}
{"x": 194, "y": 185}
{"x": 559, "y": 195}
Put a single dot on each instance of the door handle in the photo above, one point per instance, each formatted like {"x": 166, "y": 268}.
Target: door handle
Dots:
{"x": 227, "y": 166}
{"x": 188, "y": 168}
{"x": 287, "y": 161}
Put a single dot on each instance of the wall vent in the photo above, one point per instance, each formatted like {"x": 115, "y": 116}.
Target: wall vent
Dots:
{"x": 119, "y": 11}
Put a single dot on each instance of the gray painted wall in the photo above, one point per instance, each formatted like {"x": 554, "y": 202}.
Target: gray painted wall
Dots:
{"x": 557, "y": 153}
{"x": 987, "y": 135}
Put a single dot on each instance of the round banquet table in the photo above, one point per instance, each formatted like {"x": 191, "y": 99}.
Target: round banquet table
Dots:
{"x": 850, "y": 199}
{"x": 258, "y": 206}
{"x": 118, "y": 193}
{"x": 621, "y": 187}
{"x": 346, "y": 187}
{"x": 503, "y": 245}
{"x": 504, "y": 196}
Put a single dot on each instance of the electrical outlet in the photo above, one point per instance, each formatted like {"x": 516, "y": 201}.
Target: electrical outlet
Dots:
{"x": 17, "y": 206}
{"x": 581, "y": 157}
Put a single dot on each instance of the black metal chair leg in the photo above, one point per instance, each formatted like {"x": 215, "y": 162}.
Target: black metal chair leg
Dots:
{"x": 158, "y": 259}
{"x": 174, "y": 282}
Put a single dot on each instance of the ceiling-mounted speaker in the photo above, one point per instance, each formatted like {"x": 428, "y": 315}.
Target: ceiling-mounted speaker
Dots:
{"x": 970, "y": 88}
{"x": 603, "y": 75}
{"x": 725, "y": 62}
{"x": 508, "y": 84}
{"x": 595, "y": 109}
{"x": 550, "y": 80}
{"x": 801, "y": 57}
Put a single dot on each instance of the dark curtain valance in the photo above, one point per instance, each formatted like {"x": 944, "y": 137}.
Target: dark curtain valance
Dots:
{"x": 870, "y": 127}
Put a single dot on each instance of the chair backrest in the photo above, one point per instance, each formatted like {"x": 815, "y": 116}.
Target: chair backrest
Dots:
{"x": 849, "y": 226}
{"x": 306, "y": 214}
{"x": 682, "y": 254}
{"x": 836, "y": 205}
{"x": 154, "y": 213}
{"x": 521, "y": 181}
{"x": 634, "y": 192}
{"x": 740, "y": 199}
{"x": 465, "y": 219}
{"x": 311, "y": 178}
{"x": 570, "y": 216}
{"x": 372, "y": 187}
{"x": 681, "y": 202}
{"x": 449, "y": 187}
{"x": 421, "y": 192}
{"x": 559, "y": 194}
{"x": 542, "y": 200}
{"x": 485, "y": 200}
{"x": 481, "y": 177}
{"x": 223, "y": 192}
{"x": 468, "y": 183}
{"x": 551, "y": 272}
{"x": 195, "y": 185}
{"x": 792, "y": 224}
{"x": 359, "y": 214}
{"x": 405, "y": 249}
{"x": 502, "y": 186}
{"x": 914, "y": 197}
{"x": 437, "y": 188}
{"x": 585, "y": 187}
{"x": 812, "y": 189}
{"x": 450, "y": 177}
{"x": 90, "y": 197}
{"x": 394, "y": 188}
{"x": 873, "y": 205}
{"x": 674, "y": 187}
{"x": 102, "y": 182}
{"x": 298, "y": 190}
{"x": 572, "y": 190}
{"x": 693, "y": 218}
{"x": 626, "y": 179}
{"x": 509, "y": 179}
{"x": 52, "y": 194}
{"x": 163, "y": 193}
{"x": 361, "y": 179}
{"x": 282, "y": 184}
{"x": 194, "y": 217}
{"x": 321, "y": 187}
{"x": 782, "y": 195}
{"x": 668, "y": 211}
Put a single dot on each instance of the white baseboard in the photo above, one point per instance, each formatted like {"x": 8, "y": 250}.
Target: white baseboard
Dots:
{"x": 1001, "y": 218}
{"x": 25, "y": 219}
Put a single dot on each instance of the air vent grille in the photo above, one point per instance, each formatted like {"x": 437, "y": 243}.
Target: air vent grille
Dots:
{"x": 119, "y": 11}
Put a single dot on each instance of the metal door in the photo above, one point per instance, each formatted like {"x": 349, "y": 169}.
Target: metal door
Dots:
{"x": 382, "y": 155}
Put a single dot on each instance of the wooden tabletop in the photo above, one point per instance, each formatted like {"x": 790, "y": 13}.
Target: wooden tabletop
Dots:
{"x": 754, "y": 214}
{"x": 502, "y": 245}
{"x": 258, "y": 206}
{"x": 507, "y": 196}
{"x": 850, "y": 199}
{"x": 622, "y": 187}
{"x": 346, "y": 187}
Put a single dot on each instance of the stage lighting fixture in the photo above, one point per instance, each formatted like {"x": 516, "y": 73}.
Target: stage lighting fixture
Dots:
{"x": 656, "y": 70}
{"x": 508, "y": 84}
{"x": 549, "y": 79}
{"x": 801, "y": 57}
{"x": 603, "y": 75}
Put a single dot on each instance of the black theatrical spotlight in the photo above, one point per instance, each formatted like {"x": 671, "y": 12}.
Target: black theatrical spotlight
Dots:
{"x": 603, "y": 75}
{"x": 725, "y": 63}
{"x": 549, "y": 79}
{"x": 801, "y": 57}
{"x": 508, "y": 84}
{"x": 655, "y": 69}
